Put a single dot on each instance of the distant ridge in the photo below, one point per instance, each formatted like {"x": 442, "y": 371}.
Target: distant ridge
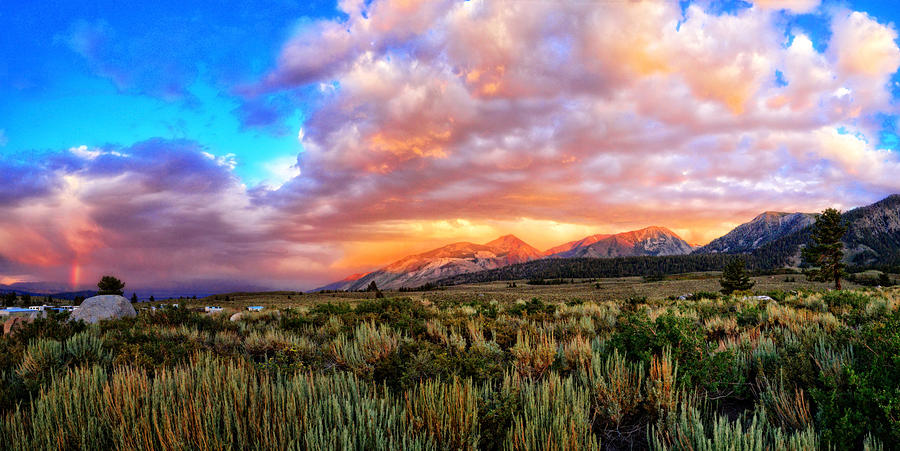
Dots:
{"x": 764, "y": 228}
{"x": 449, "y": 260}
{"x": 872, "y": 239}
{"x": 643, "y": 242}
{"x": 462, "y": 258}
{"x": 569, "y": 249}
{"x": 771, "y": 239}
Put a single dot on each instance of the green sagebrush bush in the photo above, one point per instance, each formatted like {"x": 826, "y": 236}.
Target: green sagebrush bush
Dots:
{"x": 695, "y": 374}
{"x": 211, "y": 404}
{"x": 687, "y": 430}
{"x": 555, "y": 415}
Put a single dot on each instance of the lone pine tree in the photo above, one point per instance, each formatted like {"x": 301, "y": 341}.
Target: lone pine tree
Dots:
{"x": 735, "y": 277}
{"x": 826, "y": 252}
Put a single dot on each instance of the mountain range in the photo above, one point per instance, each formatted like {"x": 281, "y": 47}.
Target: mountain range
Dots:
{"x": 460, "y": 258}
{"x": 770, "y": 240}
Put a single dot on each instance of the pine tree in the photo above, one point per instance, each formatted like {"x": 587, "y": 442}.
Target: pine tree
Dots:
{"x": 735, "y": 278}
{"x": 134, "y": 298}
{"x": 110, "y": 285}
{"x": 826, "y": 252}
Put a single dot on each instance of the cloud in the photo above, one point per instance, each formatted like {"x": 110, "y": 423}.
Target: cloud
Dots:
{"x": 437, "y": 121}
{"x": 795, "y": 6}
{"x": 281, "y": 170}
{"x": 577, "y": 112}
{"x": 158, "y": 211}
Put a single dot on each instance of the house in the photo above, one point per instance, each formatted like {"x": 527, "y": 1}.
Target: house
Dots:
{"x": 255, "y": 308}
{"x": 213, "y": 309}
{"x": 40, "y": 308}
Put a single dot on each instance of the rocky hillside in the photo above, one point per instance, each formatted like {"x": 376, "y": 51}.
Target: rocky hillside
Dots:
{"x": 765, "y": 228}
{"x": 873, "y": 235}
{"x": 572, "y": 248}
{"x": 446, "y": 261}
{"x": 644, "y": 242}
{"x": 873, "y": 238}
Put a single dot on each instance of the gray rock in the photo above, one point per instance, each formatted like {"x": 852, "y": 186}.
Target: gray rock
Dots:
{"x": 99, "y": 308}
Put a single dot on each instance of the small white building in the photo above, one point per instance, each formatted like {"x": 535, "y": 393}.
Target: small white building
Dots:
{"x": 255, "y": 308}
{"x": 213, "y": 309}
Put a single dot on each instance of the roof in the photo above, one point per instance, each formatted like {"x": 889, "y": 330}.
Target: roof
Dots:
{"x": 17, "y": 310}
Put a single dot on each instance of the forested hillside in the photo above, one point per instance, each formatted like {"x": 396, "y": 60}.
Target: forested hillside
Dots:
{"x": 554, "y": 268}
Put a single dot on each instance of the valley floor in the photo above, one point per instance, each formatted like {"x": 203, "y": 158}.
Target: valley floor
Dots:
{"x": 610, "y": 289}
{"x": 627, "y": 365}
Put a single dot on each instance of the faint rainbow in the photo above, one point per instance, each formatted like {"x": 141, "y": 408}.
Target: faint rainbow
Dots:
{"x": 75, "y": 275}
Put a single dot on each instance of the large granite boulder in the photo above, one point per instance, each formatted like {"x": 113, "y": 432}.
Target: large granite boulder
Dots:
{"x": 98, "y": 308}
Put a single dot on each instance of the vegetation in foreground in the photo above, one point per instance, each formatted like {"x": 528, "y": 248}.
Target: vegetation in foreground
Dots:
{"x": 810, "y": 370}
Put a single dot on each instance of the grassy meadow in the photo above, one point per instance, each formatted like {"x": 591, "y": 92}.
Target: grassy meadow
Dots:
{"x": 587, "y": 290}
{"x": 627, "y": 365}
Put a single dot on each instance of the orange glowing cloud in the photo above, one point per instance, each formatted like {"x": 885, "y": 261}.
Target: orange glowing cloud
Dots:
{"x": 441, "y": 121}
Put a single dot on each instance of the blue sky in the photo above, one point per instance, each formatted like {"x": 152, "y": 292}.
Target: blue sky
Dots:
{"x": 106, "y": 73}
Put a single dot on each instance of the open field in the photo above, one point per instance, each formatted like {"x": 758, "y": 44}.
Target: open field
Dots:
{"x": 610, "y": 289}
{"x": 813, "y": 370}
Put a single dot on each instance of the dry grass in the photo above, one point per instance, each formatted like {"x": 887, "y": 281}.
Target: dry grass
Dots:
{"x": 612, "y": 290}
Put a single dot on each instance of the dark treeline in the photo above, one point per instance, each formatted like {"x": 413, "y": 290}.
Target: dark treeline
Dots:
{"x": 586, "y": 268}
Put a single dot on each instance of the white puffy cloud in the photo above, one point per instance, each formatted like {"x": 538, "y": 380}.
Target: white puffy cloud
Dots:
{"x": 579, "y": 111}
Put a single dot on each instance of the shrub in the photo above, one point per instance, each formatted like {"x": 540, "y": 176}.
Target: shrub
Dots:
{"x": 369, "y": 345}
{"x": 555, "y": 415}
{"x": 688, "y": 431}
{"x": 86, "y": 348}
{"x": 43, "y": 358}
{"x": 534, "y": 354}
{"x": 445, "y": 413}
{"x": 637, "y": 335}
{"x": 532, "y": 307}
{"x": 403, "y": 314}
{"x": 841, "y": 298}
{"x": 616, "y": 386}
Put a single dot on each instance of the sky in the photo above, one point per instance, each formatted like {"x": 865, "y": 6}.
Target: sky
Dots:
{"x": 289, "y": 144}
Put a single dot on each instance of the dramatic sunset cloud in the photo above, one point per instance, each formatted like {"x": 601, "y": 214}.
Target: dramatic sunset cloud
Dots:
{"x": 402, "y": 125}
